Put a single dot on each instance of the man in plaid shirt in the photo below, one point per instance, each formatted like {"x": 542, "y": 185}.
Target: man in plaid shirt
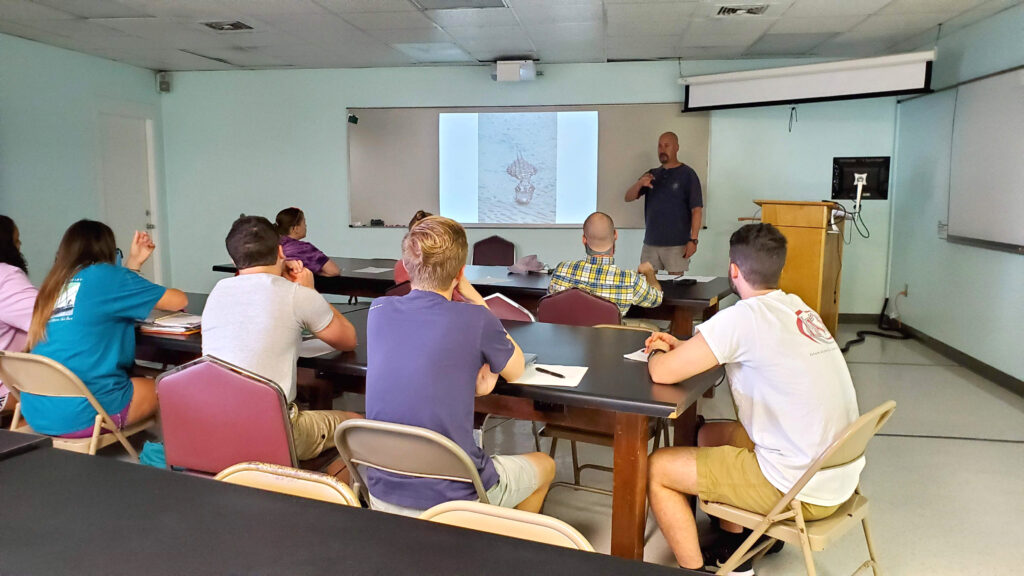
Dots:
{"x": 599, "y": 275}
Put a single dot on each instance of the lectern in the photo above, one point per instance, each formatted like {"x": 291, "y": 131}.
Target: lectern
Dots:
{"x": 814, "y": 256}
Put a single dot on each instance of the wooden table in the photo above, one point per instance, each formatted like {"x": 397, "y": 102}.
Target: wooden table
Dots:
{"x": 680, "y": 304}
{"x": 69, "y": 513}
{"x": 615, "y": 396}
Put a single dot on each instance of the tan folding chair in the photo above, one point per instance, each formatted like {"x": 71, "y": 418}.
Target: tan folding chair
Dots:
{"x": 507, "y": 522}
{"x": 292, "y": 481}
{"x": 39, "y": 375}
{"x": 406, "y": 450}
{"x": 658, "y": 430}
{"x": 786, "y": 521}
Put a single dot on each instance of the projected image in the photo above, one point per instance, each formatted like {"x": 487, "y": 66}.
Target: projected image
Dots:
{"x": 518, "y": 168}
{"x": 518, "y": 156}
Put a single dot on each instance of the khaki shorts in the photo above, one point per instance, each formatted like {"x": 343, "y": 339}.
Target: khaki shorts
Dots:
{"x": 731, "y": 475}
{"x": 313, "y": 430}
{"x": 667, "y": 258}
{"x": 517, "y": 479}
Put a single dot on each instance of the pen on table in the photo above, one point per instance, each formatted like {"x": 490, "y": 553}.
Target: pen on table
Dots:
{"x": 549, "y": 372}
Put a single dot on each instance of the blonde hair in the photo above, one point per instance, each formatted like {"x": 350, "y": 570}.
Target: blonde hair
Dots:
{"x": 434, "y": 251}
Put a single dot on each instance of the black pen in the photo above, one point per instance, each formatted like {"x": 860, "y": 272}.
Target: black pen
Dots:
{"x": 549, "y": 372}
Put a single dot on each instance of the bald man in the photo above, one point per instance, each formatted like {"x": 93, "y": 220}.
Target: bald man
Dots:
{"x": 599, "y": 275}
{"x": 673, "y": 208}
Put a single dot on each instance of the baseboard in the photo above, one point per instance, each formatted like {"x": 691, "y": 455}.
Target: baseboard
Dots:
{"x": 859, "y": 318}
{"x": 996, "y": 375}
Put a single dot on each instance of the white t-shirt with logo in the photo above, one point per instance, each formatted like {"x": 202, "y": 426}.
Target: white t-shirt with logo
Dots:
{"x": 792, "y": 390}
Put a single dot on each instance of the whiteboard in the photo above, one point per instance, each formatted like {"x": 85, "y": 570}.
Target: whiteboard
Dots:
{"x": 986, "y": 189}
{"x": 393, "y": 157}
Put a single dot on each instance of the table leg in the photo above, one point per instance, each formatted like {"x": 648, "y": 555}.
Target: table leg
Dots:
{"x": 682, "y": 322}
{"x": 629, "y": 492}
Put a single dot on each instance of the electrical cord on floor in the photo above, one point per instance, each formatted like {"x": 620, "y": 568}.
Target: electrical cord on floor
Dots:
{"x": 882, "y": 325}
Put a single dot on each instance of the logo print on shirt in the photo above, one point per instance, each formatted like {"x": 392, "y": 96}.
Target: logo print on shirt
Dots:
{"x": 64, "y": 308}
{"x": 810, "y": 325}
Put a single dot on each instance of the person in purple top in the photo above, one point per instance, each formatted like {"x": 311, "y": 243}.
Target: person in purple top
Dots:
{"x": 291, "y": 225}
{"x": 427, "y": 359}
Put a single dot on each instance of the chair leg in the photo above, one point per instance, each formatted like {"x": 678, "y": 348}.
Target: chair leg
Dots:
{"x": 536, "y": 436}
{"x": 805, "y": 544}
{"x": 871, "y": 547}
{"x": 657, "y": 434}
{"x": 554, "y": 445}
{"x": 575, "y": 464}
{"x": 94, "y": 442}
{"x": 17, "y": 416}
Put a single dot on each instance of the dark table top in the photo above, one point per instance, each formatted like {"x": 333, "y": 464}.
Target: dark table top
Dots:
{"x": 611, "y": 383}
{"x": 15, "y": 443}
{"x": 71, "y": 513}
{"x": 701, "y": 294}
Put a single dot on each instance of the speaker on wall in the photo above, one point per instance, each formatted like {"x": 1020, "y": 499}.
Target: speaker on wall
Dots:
{"x": 163, "y": 82}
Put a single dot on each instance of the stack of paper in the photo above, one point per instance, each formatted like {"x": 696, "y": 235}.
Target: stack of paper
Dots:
{"x": 569, "y": 376}
{"x": 174, "y": 323}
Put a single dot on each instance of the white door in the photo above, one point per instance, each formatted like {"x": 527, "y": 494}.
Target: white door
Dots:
{"x": 128, "y": 184}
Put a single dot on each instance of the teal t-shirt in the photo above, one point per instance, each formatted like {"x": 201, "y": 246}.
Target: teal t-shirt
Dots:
{"x": 92, "y": 333}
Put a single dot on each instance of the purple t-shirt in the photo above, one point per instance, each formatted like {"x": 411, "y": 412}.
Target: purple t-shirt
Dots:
{"x": 310, "y": 255}
{"x": 423, "y": 356}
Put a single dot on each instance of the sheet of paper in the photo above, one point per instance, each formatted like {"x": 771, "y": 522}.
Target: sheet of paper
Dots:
{"x": 572, "y": 375}
{"x": 663, "y": 277}
{"x": 639, "y": 355}
{"x": 488, "y": 280}
{"x": 314, "y": 347}
{"x": 373, "y": 270}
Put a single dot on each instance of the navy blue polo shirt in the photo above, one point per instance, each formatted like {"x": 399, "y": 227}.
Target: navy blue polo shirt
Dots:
{"x": 668, "y": 204}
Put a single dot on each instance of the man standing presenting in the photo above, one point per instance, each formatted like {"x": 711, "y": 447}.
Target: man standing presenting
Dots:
{"x": 672, "y": 210}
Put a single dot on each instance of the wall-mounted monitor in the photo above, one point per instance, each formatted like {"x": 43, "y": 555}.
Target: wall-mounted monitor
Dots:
{"x": 875, "y": 171}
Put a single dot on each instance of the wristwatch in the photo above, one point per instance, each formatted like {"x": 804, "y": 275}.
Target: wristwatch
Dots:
{"x": 694, "y": 240}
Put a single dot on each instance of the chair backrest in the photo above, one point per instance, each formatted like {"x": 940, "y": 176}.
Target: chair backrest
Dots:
{"x": 215, "y": 415}
{"x": 849, "y": 446}
{"x": 292, "y": 481}
{"x": 399, "y": 289}
{"x": 494, "y": 251}
{"x": 577, "y": 308}
{"x": 42, "y": 376}
{"x": 505, "y": 309}
{"x": 508, "y": 522}
{"x": 406, "y": 450}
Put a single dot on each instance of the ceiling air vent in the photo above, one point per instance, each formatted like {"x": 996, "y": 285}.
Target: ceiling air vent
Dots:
{"x": 226, "y": 26}
{"x": 742, "y": 10}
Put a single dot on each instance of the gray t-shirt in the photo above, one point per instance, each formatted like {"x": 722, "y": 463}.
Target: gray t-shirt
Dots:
{"x": 255, "y": 321}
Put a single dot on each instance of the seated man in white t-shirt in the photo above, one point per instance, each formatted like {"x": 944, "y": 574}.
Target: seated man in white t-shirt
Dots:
{"x": 793, "y": 397}
{"x": 255, "y": 321}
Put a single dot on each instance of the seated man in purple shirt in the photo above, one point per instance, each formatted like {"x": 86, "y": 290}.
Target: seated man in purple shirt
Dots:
{"x": 428, "y": 358}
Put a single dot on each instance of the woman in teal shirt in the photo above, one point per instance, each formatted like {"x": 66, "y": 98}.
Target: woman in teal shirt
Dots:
{"x": 84, "y": 318}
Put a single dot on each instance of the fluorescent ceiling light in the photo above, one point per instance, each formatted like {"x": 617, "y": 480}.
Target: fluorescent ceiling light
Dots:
{"x": 845, "y": 79}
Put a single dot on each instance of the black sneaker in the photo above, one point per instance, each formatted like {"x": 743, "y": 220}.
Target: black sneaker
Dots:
{"x": 744, "y": 569}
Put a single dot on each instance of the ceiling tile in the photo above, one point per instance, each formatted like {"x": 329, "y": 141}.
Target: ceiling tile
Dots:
{"x": 571, "y": 53}
{"x": 191, "y": 9}
{"x": 411, "y": 35}
{"x": 725, "y": 32}
{"x": 80, "y": 28}
{"x": 846, "y": 49}
{"x": 343, "y": 6}
{"x": 459, "y": 4}
{"x": 915, "y": 6}
{"x": 268, "y": 8}
{"x": 787, "y": 44}
{"x": 648, "y": 48}
{"x": 23, "y": 10}
{"x": 178, "y": 33}
{"x": 388, "y": 20}
{"x": 503, "y": 33}
{"x": 94, "y": 8}
{"x": 902, "y": 26}
{"x": 648, "y": 19}
{"x": 800, "y": 25}
{"x": 323, "y": 31}
{"x": 709, "y": 52}
{"x": 566, "y": 34}
{"x": 555, "y": 14}
{"x": 434, "y": 52}
{"x": 819, "y": 8}
{"x": 473, "y": 17}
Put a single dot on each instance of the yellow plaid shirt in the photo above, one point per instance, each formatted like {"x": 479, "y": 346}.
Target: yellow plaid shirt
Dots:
{"x": 601, "y": 277}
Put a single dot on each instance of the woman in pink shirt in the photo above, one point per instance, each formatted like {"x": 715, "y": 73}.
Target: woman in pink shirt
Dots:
{"x": 17, "y": 295}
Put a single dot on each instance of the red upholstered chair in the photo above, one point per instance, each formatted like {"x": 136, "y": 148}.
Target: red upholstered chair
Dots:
{"x": 216, "y": 415}
{"x": 494, "y": 251}
{"x": 506, "y": 309}
{"x": 400, "y": 289}
{"x": 577, "y": 308}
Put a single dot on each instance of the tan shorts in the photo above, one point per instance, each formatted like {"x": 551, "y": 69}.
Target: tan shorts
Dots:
{"x": 731, "y": 475}
{"x": 313, "y": 430}
{"x": 667, "y": 258}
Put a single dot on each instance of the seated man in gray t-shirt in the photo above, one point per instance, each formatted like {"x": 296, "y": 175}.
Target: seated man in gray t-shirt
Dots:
{"x": 255, "y": 321}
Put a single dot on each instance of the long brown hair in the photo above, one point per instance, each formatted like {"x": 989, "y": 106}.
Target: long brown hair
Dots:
{"x": 288, "y": 219}
{"x": 85, "y": 243}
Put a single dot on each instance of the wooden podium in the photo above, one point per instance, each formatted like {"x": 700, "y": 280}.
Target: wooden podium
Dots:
{"x": 814, "y": 255}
